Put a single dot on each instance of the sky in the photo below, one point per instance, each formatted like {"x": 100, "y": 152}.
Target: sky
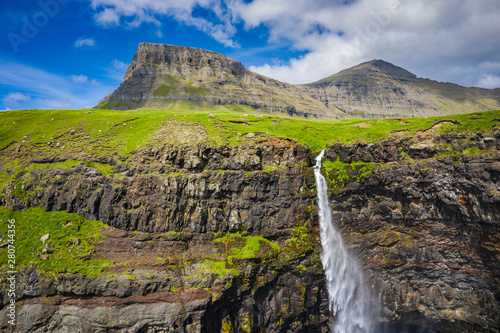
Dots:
{"x": 72, "y": 53}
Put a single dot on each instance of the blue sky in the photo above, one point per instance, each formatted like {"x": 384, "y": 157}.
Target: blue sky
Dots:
{"x": 72, "y": 53}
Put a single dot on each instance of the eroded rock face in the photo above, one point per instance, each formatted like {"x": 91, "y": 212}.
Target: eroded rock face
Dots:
{"x": 425, "y": 227}
{"x": 291, "y": 300}
{"x": 421, "y": 214}
{"x": 185, "y": 189}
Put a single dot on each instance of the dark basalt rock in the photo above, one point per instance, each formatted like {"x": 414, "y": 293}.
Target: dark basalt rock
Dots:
{"x": 424, "y": 222}
{"x": 425, "y": 226}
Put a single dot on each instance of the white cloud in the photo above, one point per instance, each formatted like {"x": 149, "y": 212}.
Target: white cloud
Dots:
{"x": 79, "y": 78}
{"x": 119, "y": 65}
{"x": 489, "y": 81}
{"x": 133, "y": 13}
{"x": 42, "y": 89}
{"x": 82, "y": 79}
{"x": 427, "y": 37}
{"x": 108, "y": 16}
{"x": 439, "y": 39}
{"x": 54, "y": 103}
{"x": 84, "y": 42}
{"x": 15, "y": 98}
{"x": 116, "y": 70}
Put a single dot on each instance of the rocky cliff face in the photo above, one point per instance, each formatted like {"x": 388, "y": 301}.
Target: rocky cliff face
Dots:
{"x": 160, "y": 75}
{"x": 424, "y": 221}
{"x": 225, "y": 239}
{"x": 168, "y": 274}
{"x": 193, "y": 189}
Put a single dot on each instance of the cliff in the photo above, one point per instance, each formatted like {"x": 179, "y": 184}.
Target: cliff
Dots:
{"x": 160, "y": 74}
{"x": 423, "y": 217}
{"x": 162, "y": 222}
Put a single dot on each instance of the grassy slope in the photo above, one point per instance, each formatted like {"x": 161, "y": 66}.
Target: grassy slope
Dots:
{"x": 72, "y": 238}
{"x": 105, "y": 128}
{"x": 109, "y": 132}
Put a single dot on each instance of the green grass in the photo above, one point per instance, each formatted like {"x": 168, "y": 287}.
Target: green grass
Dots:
{"x": 241, "y": 246}
{"x": 105, "y": 132}
{"x": 72, "y": 240}
{"x": 196, "y": 90}
{"x": 162, "y": 90}
{"x": 339, "y": 173}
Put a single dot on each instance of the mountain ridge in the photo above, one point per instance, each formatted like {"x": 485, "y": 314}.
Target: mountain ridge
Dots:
{"x": 367, "y": 68}
{"x": 161, "y": 74}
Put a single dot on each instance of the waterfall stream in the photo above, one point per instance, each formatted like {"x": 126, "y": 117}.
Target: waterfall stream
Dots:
{"x": 347, "y": 297}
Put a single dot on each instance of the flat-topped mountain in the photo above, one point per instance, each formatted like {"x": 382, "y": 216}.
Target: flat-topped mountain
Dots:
{"x": 161, "y": 74}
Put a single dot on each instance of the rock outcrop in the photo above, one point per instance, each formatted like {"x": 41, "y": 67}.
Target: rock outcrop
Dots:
{"x": 421, "y": 214}
{"x": 424, "y": 220}
{"x": 161, "y": 75}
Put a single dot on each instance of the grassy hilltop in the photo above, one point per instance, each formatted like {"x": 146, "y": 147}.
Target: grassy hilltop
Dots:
{"x": 102, "y": 132}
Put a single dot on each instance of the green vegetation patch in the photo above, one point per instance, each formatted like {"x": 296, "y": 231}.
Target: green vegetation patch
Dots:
{"x": 196, "y": 90}
{"x": 105, "y": 169}
{"x": 68, "y": 164}
{"x": 67, "y": 250}
{"x": 121, "y": 104}
{"x": 162, "y": 90}
{"x": 171, "y": 79}
{"x": 339, "y": 173}
{"x": 271, "y": 168}
{"x": 466, "y": 152}
{"x": 242, "y": 246}
{"x": 217, "y": 267}
{"x": 300, "y": 243}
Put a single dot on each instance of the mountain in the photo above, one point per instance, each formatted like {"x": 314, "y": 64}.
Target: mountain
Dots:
{"x": 379, "y": 89}
{"x": 160, "y": 74}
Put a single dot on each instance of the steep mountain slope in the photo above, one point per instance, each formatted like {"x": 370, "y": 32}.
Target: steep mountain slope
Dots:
{"x": 380, "y": 89}
{"x": 160, "y": 75}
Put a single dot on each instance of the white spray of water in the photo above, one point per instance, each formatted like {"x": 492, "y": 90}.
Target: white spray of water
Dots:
{"x": 346, "y": 292}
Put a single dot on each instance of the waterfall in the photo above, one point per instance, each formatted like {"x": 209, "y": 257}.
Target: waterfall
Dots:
{"x": 347, "y": 297}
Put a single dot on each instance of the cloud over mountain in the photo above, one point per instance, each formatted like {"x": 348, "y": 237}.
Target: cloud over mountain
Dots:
{"x": 455, "y": 41}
